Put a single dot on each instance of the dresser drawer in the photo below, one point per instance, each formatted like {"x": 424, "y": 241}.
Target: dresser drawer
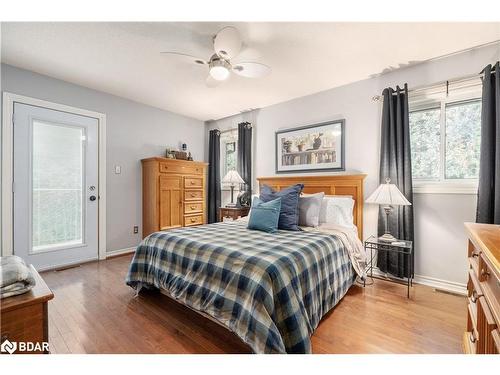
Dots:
{"x": 485, "y": 326}
{"x": 193, "y": 182}
{"x": 472, "y": 318}
{"x": 193, "y": 207}
{"x": 473, "y": 287}
{"x": 180, "y": 169}
{"x": 193, "y": 195}
{"x": 193, "y": 220}
{"x": 472, "y": 336}
{"x": 473, "y": 252}
{"x": 490, "y": 285}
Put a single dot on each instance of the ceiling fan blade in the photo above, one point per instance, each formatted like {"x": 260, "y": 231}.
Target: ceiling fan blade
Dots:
{"x": 185, "y": 57}
{"x": 211, "y": 82}
{"x": 227, "y": 42}
{"x": 251, "y": 69}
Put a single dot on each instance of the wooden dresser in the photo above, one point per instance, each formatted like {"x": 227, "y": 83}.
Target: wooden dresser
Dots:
{"x": 173, "y": 194}
{"x": 483, "y": 289}
{"x": 24, "y": 318}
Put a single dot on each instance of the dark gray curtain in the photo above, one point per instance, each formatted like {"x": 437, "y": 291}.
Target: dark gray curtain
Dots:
{"x": 245, "y": 155}
{"x": 488, "y": 198}
{"x": 395, "y": 163}
{"x": 214, "y": 195}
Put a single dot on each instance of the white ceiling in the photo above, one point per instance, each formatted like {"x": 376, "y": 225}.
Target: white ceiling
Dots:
{"x": 123, "y": 58}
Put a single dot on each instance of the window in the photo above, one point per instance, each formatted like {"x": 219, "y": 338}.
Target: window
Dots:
{"x": 228, "y": 151}
{"x": 445, "y": 139}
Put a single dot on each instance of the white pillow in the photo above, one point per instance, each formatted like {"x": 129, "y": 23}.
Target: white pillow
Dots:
{"x": 337, "y": 210}
{"x": 309, "y": 209}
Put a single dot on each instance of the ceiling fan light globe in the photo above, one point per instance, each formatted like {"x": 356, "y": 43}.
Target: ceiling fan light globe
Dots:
{"x": 219, "y": 73}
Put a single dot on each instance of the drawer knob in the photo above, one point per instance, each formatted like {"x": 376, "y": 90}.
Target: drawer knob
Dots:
{"x": 193, "y": 195}
{"x": 485, "y": 273}
{"x": 472, "y": 337}
{"x": 475, "y": 255}
{"x": 193, "y": 220}
{"x": 193, "y": 207}
{"x": 474, "y": 296}
{"x": 192, "y": 182}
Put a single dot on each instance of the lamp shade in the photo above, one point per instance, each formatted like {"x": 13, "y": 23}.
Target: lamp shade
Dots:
{"x": 232, "y": 177}
{"x": 388, "y": 194}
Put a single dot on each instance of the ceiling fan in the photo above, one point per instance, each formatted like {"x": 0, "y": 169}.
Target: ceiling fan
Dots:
{"x": 227, "y": 45}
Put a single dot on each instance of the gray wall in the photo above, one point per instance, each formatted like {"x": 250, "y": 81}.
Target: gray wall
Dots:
{"x": 134, "y": 131}
{"x": 440, "y": 239}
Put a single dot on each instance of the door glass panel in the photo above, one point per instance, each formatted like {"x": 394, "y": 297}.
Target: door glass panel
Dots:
{"x": 57, "y": 186}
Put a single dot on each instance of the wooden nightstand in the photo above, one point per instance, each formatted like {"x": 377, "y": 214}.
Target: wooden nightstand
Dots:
{"x": 25, "y": 316}
{"x": 233, "y": 212}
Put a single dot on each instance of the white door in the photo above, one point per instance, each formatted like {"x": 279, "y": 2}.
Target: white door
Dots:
{"x": 55, "y": 187}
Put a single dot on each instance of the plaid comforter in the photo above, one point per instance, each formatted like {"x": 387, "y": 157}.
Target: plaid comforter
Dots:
{"x": 270, "y": 289}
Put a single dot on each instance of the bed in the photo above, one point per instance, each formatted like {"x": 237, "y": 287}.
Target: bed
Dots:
{"x": 271, "y": 290}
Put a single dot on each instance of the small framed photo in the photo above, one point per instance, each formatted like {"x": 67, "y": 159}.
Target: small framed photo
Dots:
{"x": 312, "y": 148}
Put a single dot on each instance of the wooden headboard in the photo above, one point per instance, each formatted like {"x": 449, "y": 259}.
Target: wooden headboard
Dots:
{"x": 331, "y": 185}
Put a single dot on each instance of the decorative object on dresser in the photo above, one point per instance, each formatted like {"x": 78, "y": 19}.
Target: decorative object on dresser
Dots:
{"x": 173, "y": 194}
{"x": 318, "y": 147}
{"x": 232, "y": 177}
{"x": 483, "y": 290}
{"x": 233, "y": 212}
{"x": 388, "y": 195}
{"x": 24, "y": 317}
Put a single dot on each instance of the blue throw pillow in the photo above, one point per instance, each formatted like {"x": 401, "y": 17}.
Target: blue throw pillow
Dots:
{"x": 289, "y": 215}
{"x": 265, "y": 215}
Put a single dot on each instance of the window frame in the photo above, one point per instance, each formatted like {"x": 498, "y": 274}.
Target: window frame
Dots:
{"x": 441, "y": 99}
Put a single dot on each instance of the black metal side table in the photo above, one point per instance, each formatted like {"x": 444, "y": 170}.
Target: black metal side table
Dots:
{"x": 373, "y": 244}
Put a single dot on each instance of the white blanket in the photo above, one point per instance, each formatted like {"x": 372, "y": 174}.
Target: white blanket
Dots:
{"x": 352, "y": 243}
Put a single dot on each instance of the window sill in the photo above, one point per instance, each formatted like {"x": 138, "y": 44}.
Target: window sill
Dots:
{"x": 445, "y": 188}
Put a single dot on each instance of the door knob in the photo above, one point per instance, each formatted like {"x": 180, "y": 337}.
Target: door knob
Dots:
{"x": 92, "y": 198}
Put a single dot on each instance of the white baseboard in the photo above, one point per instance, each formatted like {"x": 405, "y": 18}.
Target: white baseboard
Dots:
{"x": 120, "y": 251}
{"x": 445, "y": 285}
{"x": 439, "y": 284}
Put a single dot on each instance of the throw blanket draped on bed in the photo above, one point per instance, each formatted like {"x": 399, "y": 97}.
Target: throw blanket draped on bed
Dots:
{"x": 270, "y": 289}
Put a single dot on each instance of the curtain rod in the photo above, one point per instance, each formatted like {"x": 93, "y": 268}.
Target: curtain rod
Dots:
{"x": 233, "y": 129}
{"x": 227, "y": 130}
{"x": 376, "y": 98}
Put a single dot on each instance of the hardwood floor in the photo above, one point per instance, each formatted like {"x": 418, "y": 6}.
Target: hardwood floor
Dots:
{"x": 93, "y": 311}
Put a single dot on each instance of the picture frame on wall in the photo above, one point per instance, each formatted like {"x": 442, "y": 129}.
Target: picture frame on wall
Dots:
{"x": 312, "y": 148}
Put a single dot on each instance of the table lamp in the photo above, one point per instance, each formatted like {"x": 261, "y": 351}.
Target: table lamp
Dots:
{"x": 388, "y": 195}
{"x": 232, "y": 177}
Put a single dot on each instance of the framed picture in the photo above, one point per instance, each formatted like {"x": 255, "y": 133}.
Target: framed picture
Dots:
{"x": 312, "y": 148}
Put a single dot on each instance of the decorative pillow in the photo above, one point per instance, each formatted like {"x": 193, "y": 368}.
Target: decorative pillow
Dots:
{"x": 309, "y": 209}
{"x": 289, "y": 215}
{"x": 337, "y": 210}
{"x": 265, "y": 215}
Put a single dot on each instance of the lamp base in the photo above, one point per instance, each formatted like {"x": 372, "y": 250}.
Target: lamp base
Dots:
{"x": 387, "y": 238}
